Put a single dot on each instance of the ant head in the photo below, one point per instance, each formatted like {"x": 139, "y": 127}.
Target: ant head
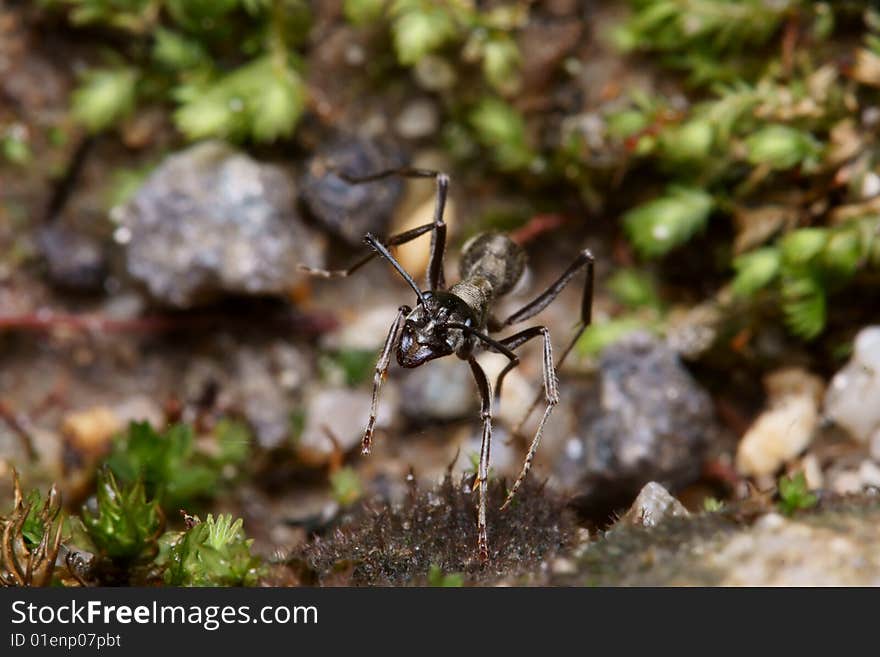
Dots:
{"x": 426, "y": 334}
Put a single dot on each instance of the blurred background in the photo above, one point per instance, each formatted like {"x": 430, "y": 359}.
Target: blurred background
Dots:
{"x": 165, "y": 165}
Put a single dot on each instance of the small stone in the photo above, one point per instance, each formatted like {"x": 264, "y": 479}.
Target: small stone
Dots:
{"x": 139, "y": 409}
{"x": 812, "y": 470}
{"x": 417, "y": 119}
{"x": 212, "y": 221}
{"x": 786, "y": 428}
{"x": 341, "y": 413}
{"x": 366, "y": 330}
{"x": 853, "y": 398}
{"x": 770, "y": 521}
{"x": 262, "y": 398}
{"x": 434, "y": 73}
{"x": 874, "y": 446}
{"x": 870, "y": 474}
{"x": 847, "y": 482}
{"x": 653, "y": 505}
{"x": 90, "y": 431}
{"x": 74, "y": 260}
{"x": 350, "y": 210}
{"x": 651, "y": 422}
{"x": 563, "y": 566}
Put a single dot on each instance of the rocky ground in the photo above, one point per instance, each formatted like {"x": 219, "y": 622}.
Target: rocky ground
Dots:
{"x": 184, "y": 302}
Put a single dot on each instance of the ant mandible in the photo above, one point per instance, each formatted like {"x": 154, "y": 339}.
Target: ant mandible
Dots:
{"x": 457, "y": 319}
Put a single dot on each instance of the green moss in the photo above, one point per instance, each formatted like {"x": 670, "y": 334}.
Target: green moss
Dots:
{"x": 174, "y": 472}
{"x": 436, "y": 577}
{"x": 660, "y": 225}
{"x": 431, "y": 538}
{"x": 794, "y": 494}
{"x": 347, "y": 487}
{"x": 215, "y": 552}
{"x": 124, "y": 527}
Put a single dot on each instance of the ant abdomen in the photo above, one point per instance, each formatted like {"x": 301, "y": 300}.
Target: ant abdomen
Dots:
{"x": 495, "y": 257}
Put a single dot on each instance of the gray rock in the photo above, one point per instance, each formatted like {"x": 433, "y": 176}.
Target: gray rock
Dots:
{"x": 834, "y": 546}
{"x": 653, "y": 505}
{"x": 349, "y": 210}
{"x": 335, "y": 421}
{"x": 650, "y": 422}
{"x": 853, "y": 398}
{"x": 74, "y": 261}
{"x": 263, "y": 401}
{"x": 212, "y": 221}
{"x": 261, "y": 382}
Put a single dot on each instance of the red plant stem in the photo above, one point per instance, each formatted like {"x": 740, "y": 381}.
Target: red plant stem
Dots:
{"x": 537, "y": 225}
{"x": 46, "y": 321}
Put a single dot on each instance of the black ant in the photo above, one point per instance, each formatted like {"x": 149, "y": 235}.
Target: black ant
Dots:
{"x": 453, "y": 321}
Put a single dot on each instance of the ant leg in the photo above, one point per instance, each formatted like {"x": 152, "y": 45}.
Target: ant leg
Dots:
{"x": 551, "y": 393}
{"x": 585, "y": 259}
{"x": 512, "y": 342}
{"x": 379, "y": 375}
{"x": 394, "y": 240}
{"x": 483, "y": 470}
{"x": 435, "y": 278}
{"x": 536, "y": 305}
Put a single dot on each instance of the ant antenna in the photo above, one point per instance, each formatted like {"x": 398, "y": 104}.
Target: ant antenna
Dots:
{"x": 385, "y": 253}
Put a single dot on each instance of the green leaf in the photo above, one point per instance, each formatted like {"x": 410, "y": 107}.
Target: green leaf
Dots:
{"x": 104, "y": 97}
{"x": 781, "y": 147}
{"x": 176, "y": 52}
{"x": 756, "y": 270}
{"x": 501, "y": 61}
{"x": 172, "y": 471}
{"x": 804, "y": 304}
{"x": 277, "y": 106}
{"x": 199, "y": 15}
{"x": 626, "y": 123}
{"x": 16, "y": 149}
{"x": 602, "y": 334}
{"x": 634, "y": 288}
{"x": 499, "y": 126}
{"x": 263, "y": 100}
{"x": 689, "y": 142}
{"x": 794, "y": 494}
{"x": 843, "y": 253}
{"x": 658, "y": 226}
{"x": 346, "y": 484}
{"x": 34, "y": 525}
{"x": 363, "y": 12}
{"x": 803, "y": 245}
{"x": 234, "y": 440}
{"x": 420, "y": 30}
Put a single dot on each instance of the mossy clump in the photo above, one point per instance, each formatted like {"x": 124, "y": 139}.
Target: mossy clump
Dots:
{"x": 215, "y": 552}
{"x": 31, "y": 537}
{"x": 124, "y": 526}
{"x": 175, "y": 472}
{"x": 433, "y": 532}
